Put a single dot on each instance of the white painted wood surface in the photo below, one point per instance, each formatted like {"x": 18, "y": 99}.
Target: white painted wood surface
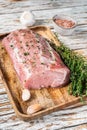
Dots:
{"x": 73, "y": 118}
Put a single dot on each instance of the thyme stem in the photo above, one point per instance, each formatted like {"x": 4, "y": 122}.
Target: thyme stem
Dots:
{"x": 78, "y": 67}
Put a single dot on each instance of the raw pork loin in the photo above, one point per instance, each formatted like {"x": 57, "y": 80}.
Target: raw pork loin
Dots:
{"x": 36, "y": 63}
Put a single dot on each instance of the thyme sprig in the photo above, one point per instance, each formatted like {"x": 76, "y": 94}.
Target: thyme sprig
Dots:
{"x": 78, "y": 67}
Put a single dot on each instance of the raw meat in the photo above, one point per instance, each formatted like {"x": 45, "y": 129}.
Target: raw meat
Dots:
{"x": 36, "y": 63}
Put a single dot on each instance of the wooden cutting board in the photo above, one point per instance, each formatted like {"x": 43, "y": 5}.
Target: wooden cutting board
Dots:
{"x": 51, "y": 99}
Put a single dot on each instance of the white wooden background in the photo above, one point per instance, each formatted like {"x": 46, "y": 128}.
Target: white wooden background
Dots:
{"x": 73, "y": 118}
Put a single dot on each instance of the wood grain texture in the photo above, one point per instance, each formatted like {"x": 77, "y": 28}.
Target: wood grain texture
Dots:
{"x": 51, "y": 99}
{"x": 74, "y": 118}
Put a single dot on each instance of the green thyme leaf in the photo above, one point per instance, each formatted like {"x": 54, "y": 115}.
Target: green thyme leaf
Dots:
{"x": 78, "y": 67}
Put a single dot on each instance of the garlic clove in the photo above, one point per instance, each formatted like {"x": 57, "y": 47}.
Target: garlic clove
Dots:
{"x": 25, "y": 94}
{"x": 34, "y": 108}
{"x": 27, "y": 18}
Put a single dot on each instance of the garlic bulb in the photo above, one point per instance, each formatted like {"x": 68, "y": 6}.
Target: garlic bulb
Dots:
{"x": 25, "y": 94}
{"x": 27, "y": 18}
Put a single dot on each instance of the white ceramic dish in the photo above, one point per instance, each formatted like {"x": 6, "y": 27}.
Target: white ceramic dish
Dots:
{"x": 61, "y": 30}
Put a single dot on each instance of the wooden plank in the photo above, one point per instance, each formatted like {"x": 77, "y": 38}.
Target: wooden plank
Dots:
{"x": 37, "y": 5}
{"x": 63, "y": 119}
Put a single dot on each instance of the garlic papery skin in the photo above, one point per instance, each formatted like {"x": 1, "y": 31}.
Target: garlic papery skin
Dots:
{"x": 26, "y": 95}
{"x": 34, "y": 108}
{"x": 27, "y": 18}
